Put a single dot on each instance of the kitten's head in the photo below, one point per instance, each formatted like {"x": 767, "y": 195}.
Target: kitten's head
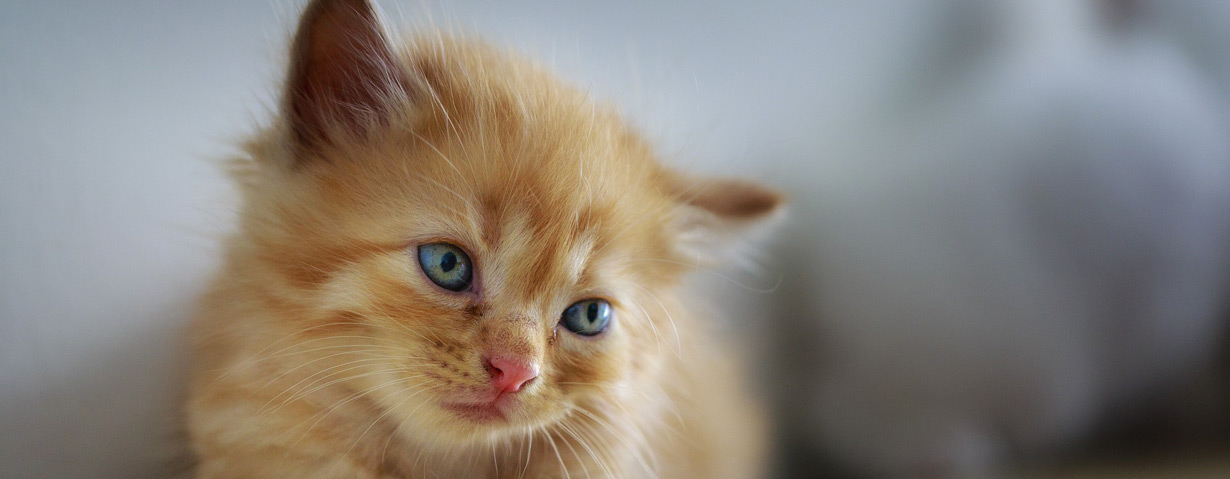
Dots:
{"x": 470, "y": 245}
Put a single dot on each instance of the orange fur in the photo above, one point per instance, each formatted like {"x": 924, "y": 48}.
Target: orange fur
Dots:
{"x": 324, "y": 352}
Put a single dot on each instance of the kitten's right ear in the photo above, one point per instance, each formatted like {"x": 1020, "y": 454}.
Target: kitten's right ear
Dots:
{"x": 344, "y": 75}
{"x": 716, "y": 217}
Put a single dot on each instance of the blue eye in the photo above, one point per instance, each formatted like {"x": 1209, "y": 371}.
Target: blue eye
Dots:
{"x": 587, "y": 317}
{"x": 446, "y": 265}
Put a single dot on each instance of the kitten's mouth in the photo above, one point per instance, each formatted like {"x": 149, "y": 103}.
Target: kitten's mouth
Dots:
{"x": 484, "y": 410}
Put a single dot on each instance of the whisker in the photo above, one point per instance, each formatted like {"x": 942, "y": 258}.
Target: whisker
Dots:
{"x": 558, "y": 457}
{"x": 631, "y": 445}
{"x": 339, "y": 404}
{"x": 678, "y": 342}
{"x": 382, "y": 416}
{"x": 325, "y": 372}
{"x": 567, "y": 428}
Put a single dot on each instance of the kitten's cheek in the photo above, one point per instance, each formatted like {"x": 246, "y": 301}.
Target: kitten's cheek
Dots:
{"x": 594, "y": 369}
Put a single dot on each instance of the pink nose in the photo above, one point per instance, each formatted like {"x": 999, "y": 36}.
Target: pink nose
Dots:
{"x": 508, "y": 375}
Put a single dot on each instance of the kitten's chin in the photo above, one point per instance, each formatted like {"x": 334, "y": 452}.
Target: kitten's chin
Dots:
{"x": 451, "y": 420}
{"x": 480, "y": 413}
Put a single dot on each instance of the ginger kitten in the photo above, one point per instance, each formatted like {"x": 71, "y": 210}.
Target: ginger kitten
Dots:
{"x": 451, "y": 265}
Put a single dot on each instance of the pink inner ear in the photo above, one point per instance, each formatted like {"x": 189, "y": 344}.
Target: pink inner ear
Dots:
{"x": 343, "y": 71}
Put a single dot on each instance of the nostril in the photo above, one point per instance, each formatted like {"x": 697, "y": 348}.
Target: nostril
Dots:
{"x": 492, "y": 369}
{"x": 509, "y": 375}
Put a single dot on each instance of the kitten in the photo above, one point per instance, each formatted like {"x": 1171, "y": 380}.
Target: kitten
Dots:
{"x": 451, "y": 265}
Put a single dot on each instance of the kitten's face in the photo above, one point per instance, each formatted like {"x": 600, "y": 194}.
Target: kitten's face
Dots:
{"x": 534, "y": 244}
{"x": 482, "y": 253}
{"x": 541, "y": 221}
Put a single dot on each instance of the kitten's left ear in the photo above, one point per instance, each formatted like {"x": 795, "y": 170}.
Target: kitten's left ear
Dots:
{"x": 715, "y": 217}
{"x": 344, "y": 76}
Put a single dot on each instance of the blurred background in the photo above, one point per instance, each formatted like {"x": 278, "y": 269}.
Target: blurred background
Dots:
{"x": 1007, "y": 247}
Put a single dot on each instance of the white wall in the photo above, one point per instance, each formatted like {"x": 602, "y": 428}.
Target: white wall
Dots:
{"x": 111, "y": 115}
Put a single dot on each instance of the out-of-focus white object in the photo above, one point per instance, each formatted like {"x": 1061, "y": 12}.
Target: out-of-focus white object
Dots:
{"x": 1032, "y": 240}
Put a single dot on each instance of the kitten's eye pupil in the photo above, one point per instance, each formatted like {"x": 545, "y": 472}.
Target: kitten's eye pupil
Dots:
{"x": 446, "y": 265}
{"x": 587, "y": 317}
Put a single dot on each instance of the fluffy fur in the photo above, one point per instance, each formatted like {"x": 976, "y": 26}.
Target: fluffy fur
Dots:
{"x": 324, "y": 352}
